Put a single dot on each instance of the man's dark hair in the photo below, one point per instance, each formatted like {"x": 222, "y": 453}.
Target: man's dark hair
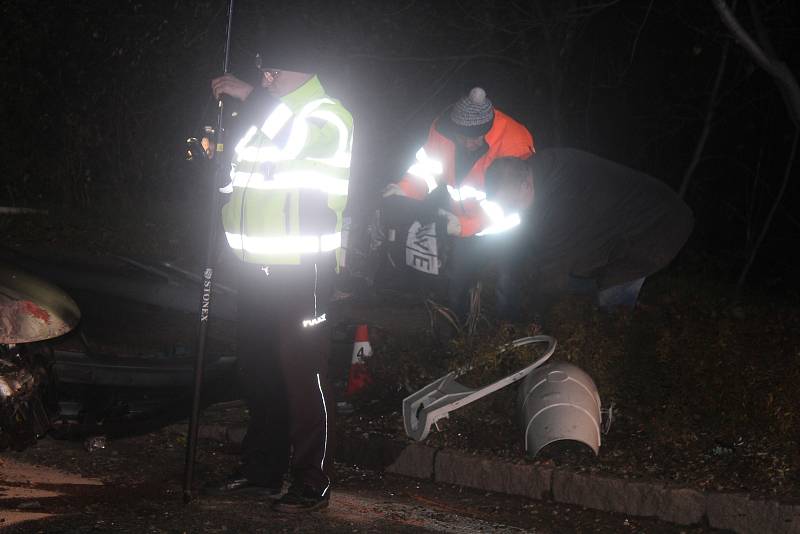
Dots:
{"x": 505, "y": 172}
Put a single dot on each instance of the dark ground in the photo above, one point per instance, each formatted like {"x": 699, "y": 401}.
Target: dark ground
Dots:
{"x": 141, "y": 492}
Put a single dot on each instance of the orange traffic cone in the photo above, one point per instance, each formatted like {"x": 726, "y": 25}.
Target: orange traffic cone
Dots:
{"x": 359, "y": 375}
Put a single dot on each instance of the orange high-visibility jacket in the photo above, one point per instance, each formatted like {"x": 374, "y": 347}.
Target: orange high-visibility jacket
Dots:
{"x": 435, "y": 165}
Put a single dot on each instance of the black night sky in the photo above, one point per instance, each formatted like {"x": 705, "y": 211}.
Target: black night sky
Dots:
{"x": 99, "y": 98}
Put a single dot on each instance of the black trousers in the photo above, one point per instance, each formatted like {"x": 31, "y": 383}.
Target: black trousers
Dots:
{"x": 283, "y": 371}
{"x": 470, "y": 256}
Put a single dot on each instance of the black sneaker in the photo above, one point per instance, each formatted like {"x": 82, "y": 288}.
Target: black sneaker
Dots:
{"x": 238, "y": 484}
{"x": 301, "y": 499}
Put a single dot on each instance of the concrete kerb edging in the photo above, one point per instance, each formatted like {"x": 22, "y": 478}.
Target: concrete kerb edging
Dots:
{"x": 684, "y": 506}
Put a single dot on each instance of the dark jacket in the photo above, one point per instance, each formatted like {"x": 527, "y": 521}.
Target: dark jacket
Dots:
{"x": 598, "y": 219}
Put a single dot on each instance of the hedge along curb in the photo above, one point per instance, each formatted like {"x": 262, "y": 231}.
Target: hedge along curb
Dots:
{"x": 684, "y": 506}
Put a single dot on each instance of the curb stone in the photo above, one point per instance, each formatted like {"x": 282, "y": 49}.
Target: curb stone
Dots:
{"x": 675, "y": 505}
{"x": 233, "y": 434}
{"x": 490, "y": 475}
{"x": 215, "y": 432}
{"x": 416, "y": 460}
{"x": 737, "y": 512}
{"x": 740, "y": 513}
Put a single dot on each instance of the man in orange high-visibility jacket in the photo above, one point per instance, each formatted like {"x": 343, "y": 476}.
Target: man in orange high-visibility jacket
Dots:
{"x": 446, "y": 183}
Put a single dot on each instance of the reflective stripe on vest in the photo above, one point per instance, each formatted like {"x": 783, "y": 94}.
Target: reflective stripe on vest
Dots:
{"x": 276, "y": 120}
{"x": 465, "y": 192}
{"x": 344, "y": 151}
{"x": 291, "y": 180}
{"x": 499, "y": 222}
{"x": 314, "y": 179}
{"x": 426, "y": 168}
{"x": 278, "y": 245}
{"x": 279, "y": 117}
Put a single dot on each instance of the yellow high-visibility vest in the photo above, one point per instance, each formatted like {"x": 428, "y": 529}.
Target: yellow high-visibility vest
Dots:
{"x": 262, "y": 217}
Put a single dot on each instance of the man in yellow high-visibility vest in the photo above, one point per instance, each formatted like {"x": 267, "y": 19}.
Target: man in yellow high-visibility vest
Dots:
{"x": 283, "y": 221}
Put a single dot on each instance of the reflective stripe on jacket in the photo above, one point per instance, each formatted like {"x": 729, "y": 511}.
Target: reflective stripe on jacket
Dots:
{"x": 435, "y": 164}
{"x": 289, "y": 180}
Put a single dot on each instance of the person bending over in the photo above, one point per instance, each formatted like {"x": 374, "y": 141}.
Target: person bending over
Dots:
{"x": 581, "y": 223}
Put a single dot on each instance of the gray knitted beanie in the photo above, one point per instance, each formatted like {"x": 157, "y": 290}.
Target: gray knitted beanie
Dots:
{"x": 474, "y": 113}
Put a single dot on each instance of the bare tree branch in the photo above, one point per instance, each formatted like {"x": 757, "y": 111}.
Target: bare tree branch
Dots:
{"x": 712, "y": 104}
{"x": 439, "y": 85}
{"x": 791, "y": 96}
{"x": 10, "y": 210}
{"x": 591, "y": 9}
{"x": 761, "y": 31}
{"x": 751, "y": 206}
{"x": 429, "y": 59}
{"x": 639, "y": 34}
{"x": 776, "y": 68}
{"x": 786, "y": 175}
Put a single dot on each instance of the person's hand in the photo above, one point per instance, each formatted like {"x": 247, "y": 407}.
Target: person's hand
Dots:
{"x": 232, "y": 86}
{"x": 453, "y": 224}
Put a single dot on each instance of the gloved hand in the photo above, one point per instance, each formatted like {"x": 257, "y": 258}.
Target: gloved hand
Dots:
{"x": 453, "y": 224}
{"x": 437, "y": 199}
{"x": 229, "y": 84}
{"x": 397, "y": 209}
